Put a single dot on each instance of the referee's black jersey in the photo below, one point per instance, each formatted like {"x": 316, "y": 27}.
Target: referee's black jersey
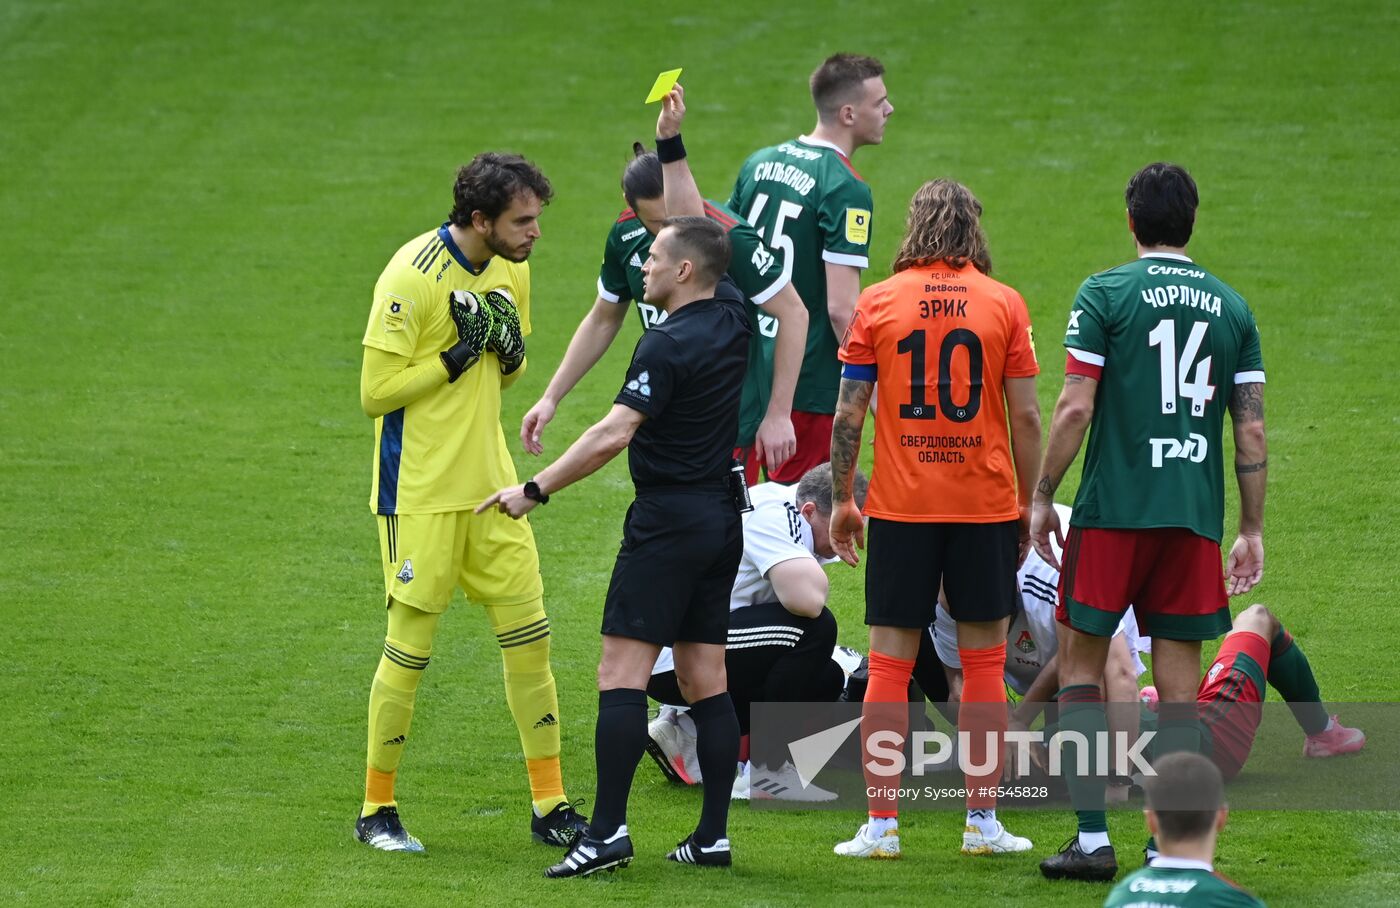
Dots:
{"x": 686, "y": 376}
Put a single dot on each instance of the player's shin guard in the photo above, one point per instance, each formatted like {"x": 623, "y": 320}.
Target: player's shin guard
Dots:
{"x": 717, "y": 747}
{"x": 1082, "y": 711}
{"x": 982, "y": 718}
{"x": 390, "y": 715}
{"x": 523, "y": 634}
{"x": 1291, "y": 675}
{"x": 886, "y": 709}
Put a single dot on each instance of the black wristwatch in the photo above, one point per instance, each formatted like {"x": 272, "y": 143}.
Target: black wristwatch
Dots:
{"x": 532, "y": 492}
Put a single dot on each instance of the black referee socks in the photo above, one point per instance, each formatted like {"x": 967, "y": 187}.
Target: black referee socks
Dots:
{"x": 717, "y": 747}
{"x": 619, "y": 740}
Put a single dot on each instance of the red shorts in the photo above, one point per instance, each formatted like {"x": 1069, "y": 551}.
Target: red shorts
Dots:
{"x": 1171, "y": 577}
{"x": 813, "y": 432}
{"x": 1230, "y": 698}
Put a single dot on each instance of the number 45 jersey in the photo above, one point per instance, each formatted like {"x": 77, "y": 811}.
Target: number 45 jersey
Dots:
{"x": 1168, "y": 342}
{"x": 809, "y": 205}
{"x": 941, "y": 342}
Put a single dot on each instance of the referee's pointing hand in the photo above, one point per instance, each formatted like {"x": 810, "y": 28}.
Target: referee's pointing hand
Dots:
{"x": 511, "y": 501}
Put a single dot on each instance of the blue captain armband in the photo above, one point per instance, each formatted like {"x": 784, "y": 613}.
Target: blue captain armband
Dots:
{"x": 859, "y": 371}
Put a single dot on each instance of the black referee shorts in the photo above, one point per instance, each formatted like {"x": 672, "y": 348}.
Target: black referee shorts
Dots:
{"x": 974, "y": 562}
{"x": 680, "y": 551}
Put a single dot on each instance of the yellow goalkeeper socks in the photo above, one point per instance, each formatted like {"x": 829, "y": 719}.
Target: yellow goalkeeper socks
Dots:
{"x": 523, "y": 634}
{"x": 391, "y": 699}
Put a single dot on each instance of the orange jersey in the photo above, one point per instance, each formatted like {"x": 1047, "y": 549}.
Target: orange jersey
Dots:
{"x": 942, "y": 341}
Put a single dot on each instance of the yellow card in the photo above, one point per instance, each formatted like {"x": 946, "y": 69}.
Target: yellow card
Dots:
{"x": 664, "y": 83}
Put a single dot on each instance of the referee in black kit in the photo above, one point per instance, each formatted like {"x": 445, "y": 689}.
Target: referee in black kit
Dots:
{"x": 677, "y": 414}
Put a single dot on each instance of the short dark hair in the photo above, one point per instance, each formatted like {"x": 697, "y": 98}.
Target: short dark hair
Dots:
{"x": 815, "y": 486}
{"x": 1184, "y": 778}
{"x": 704, "y": 242}
{"x": 838, "y": 78}
{"x": 491, "y": 181}
{"x": 1162, "y": 201}
{"x": 641, "y": 178}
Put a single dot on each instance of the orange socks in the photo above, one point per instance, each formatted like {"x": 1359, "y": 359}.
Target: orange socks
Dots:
{"x": 983, "y": 710}
{"x": 886, "y": 709}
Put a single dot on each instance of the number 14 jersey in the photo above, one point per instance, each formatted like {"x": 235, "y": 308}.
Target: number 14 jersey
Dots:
{"x": 942, "y": 341}
{"x": 1168, "y": 341}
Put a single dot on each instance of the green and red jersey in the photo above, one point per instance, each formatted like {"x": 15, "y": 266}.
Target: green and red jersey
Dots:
{"x": 1168, "y": 342}
{"x": 809, "y": 205}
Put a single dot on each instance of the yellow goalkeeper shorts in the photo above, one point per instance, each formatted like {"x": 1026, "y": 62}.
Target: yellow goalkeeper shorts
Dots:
{"x": 490, "y": 556}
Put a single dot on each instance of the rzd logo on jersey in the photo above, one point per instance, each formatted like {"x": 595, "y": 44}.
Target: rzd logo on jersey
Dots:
{"x": 1024, "y": 643}
{"x": 1194, "y": 449}
{"x": 762, "y": 260}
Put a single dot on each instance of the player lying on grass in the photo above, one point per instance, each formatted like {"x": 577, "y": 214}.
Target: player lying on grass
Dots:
{"x": 1258, "y": 650}
{"x": 776, "y": 314}
{"x": 1184, "y": 874}
{"x": 781, "y": 633}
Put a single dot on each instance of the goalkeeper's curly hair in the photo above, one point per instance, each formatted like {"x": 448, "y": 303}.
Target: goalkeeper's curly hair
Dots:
{"x": 491, "y": 181}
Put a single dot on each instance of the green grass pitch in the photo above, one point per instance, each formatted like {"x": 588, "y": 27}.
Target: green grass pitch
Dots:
{"x": 197, "y": 199}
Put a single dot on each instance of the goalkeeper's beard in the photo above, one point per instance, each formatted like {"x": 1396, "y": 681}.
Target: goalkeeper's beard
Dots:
{"x": 509, "y": 253}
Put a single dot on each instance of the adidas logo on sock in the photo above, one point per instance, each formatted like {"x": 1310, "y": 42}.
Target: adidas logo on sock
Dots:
{"x": 547, "y": 720}
{"x": 399, "y": 740}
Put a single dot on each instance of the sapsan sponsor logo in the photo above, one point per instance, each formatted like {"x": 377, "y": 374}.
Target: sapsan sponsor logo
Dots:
{"x": 405, "y": 573}
{"x": 640, "y": 385}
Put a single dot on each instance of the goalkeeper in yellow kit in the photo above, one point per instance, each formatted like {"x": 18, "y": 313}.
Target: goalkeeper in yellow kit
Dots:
{"x": 445, "y": 336}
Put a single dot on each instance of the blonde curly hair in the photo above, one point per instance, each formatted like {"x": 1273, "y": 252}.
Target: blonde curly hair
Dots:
{"x": 944, "y": 225}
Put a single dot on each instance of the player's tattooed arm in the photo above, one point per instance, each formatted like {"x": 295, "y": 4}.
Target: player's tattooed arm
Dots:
{"x": 1247, "y": 402}
{"x": 846, "y": 426}
{"x": 1251, "y": 454}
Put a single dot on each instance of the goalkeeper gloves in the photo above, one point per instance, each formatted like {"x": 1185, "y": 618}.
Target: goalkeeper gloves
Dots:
{"x": 474, "y": 322}
{"x": 506, "y": 340}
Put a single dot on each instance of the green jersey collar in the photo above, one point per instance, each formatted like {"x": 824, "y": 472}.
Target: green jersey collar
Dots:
{"x": 821, "y": 143}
